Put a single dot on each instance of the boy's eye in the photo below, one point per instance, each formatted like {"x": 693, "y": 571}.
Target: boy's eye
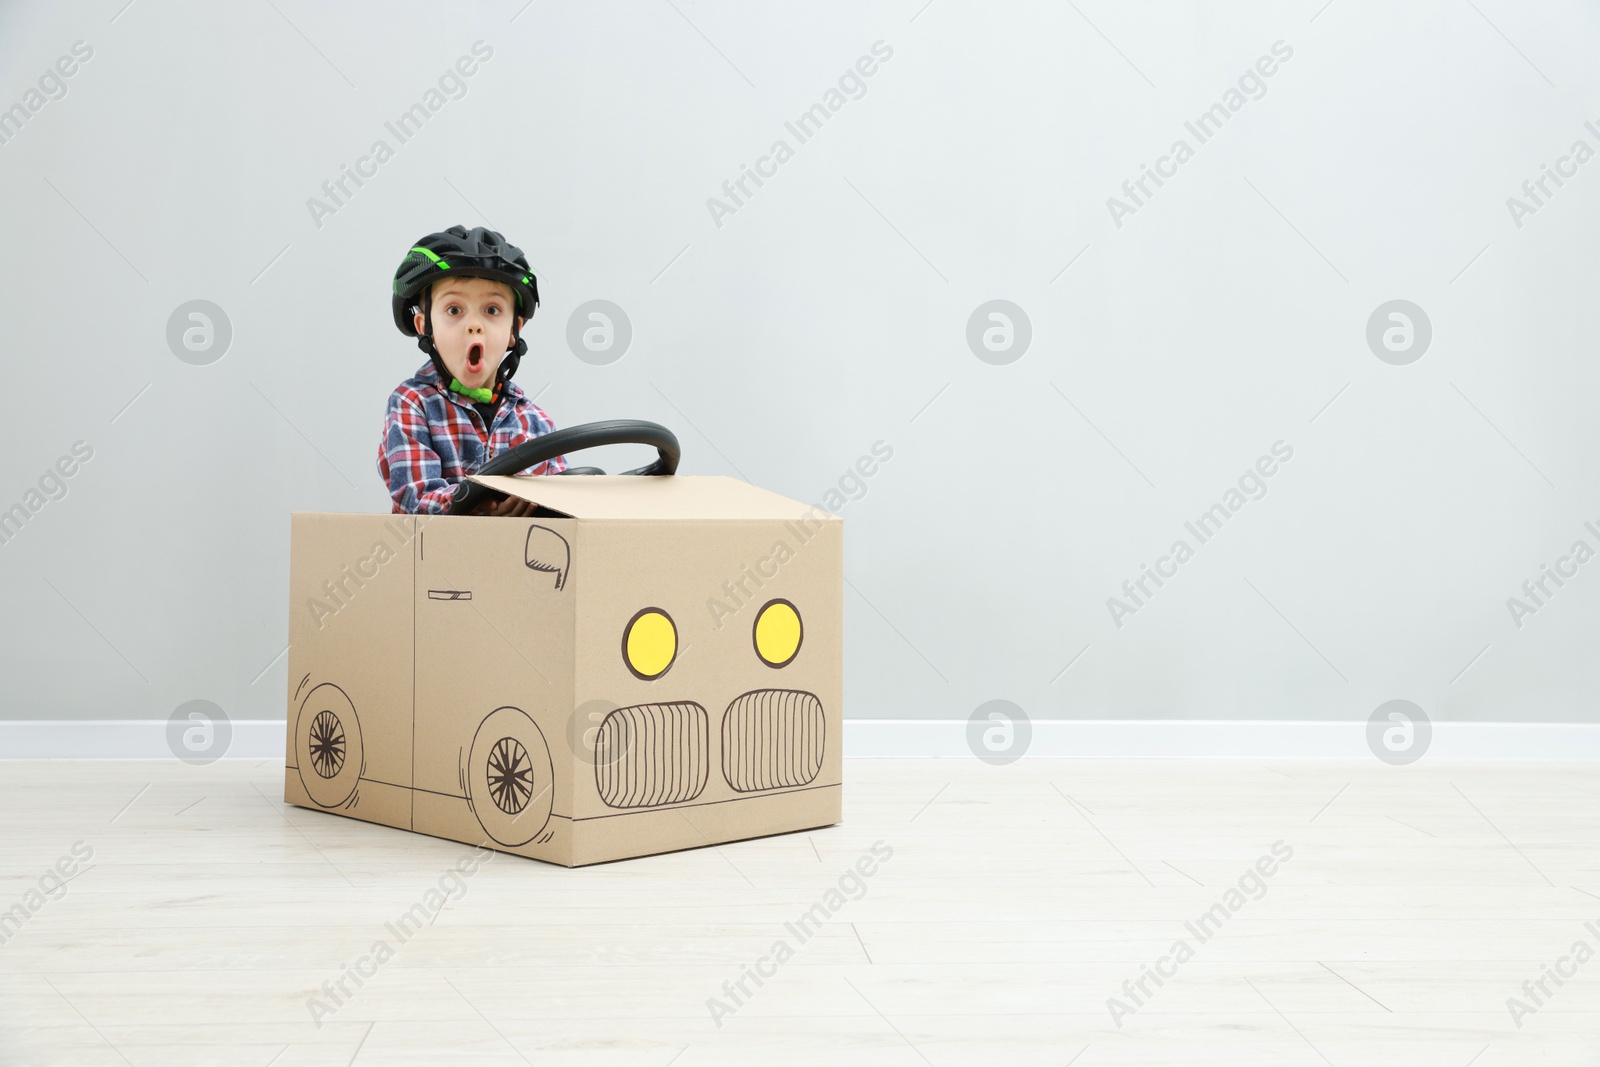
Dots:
{"x": 453, "y": 309}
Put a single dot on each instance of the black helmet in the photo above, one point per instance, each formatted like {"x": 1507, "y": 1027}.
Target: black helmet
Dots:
{"x": 463, "y": 253}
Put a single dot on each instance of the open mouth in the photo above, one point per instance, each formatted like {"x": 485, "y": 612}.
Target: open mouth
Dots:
{"x": 475, "y": 356}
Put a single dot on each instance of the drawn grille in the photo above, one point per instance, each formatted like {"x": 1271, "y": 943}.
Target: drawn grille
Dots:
{"x": 772, "y": 739}
{"x": 652, "y": 754}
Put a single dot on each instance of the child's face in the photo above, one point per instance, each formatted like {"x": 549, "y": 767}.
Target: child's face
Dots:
{"x": 472, "y": 320}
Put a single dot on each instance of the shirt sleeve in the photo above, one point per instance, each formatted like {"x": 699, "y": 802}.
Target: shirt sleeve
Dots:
{"x": 535, "y": 423}
{"x": 408, "y": 462}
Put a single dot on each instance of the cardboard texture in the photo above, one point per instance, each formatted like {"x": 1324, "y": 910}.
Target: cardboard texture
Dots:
{"x": 647, "y": 664}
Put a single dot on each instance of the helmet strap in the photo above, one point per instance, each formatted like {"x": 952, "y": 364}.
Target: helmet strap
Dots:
{"x": 425, "y": 342}
{"x": 510, "y": 361}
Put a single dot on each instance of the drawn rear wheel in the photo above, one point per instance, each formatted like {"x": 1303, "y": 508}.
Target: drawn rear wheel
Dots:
{"x": 328, "y": 748}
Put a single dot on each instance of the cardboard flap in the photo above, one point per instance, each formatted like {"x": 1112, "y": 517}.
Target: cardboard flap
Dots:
{"x": 622, "y": 496}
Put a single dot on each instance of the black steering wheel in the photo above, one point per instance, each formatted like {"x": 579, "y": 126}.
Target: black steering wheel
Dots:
{"x": 572, "y": 439}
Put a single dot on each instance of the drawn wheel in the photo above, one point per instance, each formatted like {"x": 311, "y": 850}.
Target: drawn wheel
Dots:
{"x": 509, "y": 777}
{"x": 327, "y": 745}
{"x": 328, "y": 749}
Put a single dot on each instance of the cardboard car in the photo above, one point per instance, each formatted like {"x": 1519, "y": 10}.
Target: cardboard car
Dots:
{"x": 648, "y": 662}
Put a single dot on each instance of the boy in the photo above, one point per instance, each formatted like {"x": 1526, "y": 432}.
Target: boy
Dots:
{"x": 464, "y": 295}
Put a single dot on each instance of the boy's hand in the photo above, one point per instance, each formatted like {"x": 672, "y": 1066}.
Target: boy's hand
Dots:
{"x": 507, "y": 507}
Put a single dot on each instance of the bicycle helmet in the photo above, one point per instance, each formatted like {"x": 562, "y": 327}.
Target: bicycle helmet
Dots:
{"x": 460, "y": 252}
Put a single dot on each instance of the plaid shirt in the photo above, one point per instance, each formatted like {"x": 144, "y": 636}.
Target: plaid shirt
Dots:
{"x": 433, "y": 438}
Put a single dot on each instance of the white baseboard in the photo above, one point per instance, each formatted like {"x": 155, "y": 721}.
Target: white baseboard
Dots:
{"x": 929, "y": 738}
{"x": 1221, "y": 739}
{"x": 125, "y": 739}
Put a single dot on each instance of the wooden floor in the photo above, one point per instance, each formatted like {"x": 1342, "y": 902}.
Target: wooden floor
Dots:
{"x": 1016, "y": 903}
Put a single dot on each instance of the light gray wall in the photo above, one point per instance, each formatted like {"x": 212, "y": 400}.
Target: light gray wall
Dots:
{"x": 1228, "y": 312}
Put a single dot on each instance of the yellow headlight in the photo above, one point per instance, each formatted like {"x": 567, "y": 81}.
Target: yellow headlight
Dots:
{"x": 777, "y": 633}
{"x": 650, "y": 643}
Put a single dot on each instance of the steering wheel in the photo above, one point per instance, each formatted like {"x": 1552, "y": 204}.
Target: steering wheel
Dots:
{"x": 572, "y": 439}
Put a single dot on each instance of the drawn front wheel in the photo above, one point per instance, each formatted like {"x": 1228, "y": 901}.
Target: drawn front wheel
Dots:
{"x": 328, "y": 749}
{"x": 509, "y": 777}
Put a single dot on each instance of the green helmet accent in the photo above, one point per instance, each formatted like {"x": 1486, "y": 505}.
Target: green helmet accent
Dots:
{"x": 437, "y": 262}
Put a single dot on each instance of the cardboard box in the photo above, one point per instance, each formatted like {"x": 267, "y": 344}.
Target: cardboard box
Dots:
{"x": 646, "y": 664}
